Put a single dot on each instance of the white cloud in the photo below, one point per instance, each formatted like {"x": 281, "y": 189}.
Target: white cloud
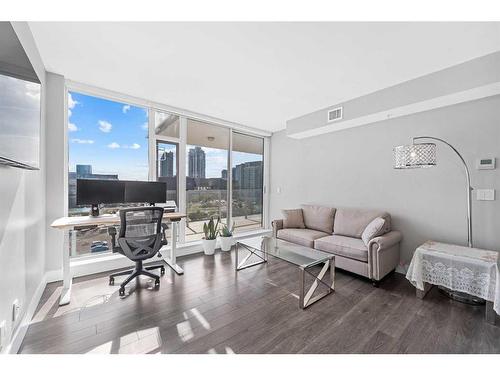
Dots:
{"x": 135, "y": 146}
{"x": 125, "y": 108}
{"x": 71, "y": 102}
{"x": 145, "y": 126}
{"x": 105, "y": 126}
{"x": 82, "y": 141}
{"x": 72, "y": 127}
{"x": 114, "y": 145}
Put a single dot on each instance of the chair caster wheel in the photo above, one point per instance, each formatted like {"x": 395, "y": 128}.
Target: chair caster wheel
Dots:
{"x": 121, "y": 292}
{"x": 111, "y": 281}
{"x": 162, "y": 271}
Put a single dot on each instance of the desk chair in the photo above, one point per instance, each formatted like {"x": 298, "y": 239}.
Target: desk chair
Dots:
{"x": 141, "y": 237}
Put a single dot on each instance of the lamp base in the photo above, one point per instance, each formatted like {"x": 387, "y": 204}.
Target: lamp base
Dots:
{"x": 461, "y": 297}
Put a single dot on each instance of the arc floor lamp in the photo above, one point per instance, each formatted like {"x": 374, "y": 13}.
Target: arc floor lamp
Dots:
{"x": 421, "y": 154}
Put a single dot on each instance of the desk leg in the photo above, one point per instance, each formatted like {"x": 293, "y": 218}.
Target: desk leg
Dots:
{"x": 67, "y": 280}
{"x": 172, "y": 260}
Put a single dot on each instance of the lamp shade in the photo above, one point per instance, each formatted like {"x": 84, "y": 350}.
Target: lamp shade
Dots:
{"x": 419, "y": 155}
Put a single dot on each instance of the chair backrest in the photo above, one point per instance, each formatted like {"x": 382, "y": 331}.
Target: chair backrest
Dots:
{"x": 140, "y": 234}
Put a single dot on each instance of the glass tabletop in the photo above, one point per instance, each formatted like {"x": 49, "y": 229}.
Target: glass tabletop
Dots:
{"x": 296, "y": 254}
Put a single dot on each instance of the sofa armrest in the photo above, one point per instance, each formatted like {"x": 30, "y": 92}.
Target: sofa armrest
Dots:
{"x": 277, "y": 225}
{"x": 385, "y": 241}
{"x": 383, "y": 254}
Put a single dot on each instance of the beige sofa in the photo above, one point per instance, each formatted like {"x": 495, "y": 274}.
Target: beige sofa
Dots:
{"x": 339, "y": 231}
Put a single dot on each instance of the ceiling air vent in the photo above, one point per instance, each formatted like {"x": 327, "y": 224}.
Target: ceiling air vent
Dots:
{"x": 335, "y": 114}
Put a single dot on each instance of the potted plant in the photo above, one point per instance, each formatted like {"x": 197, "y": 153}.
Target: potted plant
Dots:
{"x": 209, "y": 241}
{"x": 226, "y": 237}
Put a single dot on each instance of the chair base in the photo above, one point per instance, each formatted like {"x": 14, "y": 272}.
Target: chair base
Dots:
{"x": 135, "y": 272}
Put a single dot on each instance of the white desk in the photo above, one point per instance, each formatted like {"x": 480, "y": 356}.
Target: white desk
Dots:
{"x": 71, "y": 223}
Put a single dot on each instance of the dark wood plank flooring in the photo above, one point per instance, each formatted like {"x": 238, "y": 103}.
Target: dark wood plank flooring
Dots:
{"x": 210, "y": 309}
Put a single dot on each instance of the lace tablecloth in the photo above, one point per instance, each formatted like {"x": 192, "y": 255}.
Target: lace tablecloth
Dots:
{"x": 459, "y": 268}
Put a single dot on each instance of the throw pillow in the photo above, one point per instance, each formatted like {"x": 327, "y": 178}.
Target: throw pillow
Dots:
{"x": 293, "y": 218}
{"x": 374, "y": 229}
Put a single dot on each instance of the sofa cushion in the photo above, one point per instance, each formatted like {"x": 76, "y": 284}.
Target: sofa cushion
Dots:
{"x": 293, "y": 218}
{"x": 304, "y": 237}
{"x": 375, "y": 228}
{"x": 352, "y": 222}
{"x": 348, "y": 247}
{"x": 318, "y": 217}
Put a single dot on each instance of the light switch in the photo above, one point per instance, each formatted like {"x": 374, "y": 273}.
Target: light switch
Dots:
{"x": 485, "y": 194}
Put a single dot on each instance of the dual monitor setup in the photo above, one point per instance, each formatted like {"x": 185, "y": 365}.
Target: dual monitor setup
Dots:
{"x": 94, "y": 192}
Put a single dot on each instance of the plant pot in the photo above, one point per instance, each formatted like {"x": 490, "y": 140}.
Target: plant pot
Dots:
{"x": 226, "y": 243}
{"x": 209, "y": 246}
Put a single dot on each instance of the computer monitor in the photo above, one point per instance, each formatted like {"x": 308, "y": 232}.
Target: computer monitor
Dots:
{"x": 145, "y": 192}
{"x": 94, "y": 192}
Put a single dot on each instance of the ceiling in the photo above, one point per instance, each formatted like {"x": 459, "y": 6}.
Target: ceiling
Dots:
{"x": 256, "y": 74}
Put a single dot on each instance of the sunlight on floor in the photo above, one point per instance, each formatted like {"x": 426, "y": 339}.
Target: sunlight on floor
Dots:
{"x": 227, "y": 349}
{"x": 200, "y": 318}
{"x": 185, "y": 331}
{"x": 139, "y": 342}
{"x": 102, "y": 349}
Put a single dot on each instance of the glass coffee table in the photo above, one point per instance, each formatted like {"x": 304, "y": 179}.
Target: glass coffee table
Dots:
{"x": 303, "y": 257}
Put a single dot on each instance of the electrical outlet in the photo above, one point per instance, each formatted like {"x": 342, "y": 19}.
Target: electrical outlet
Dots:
{"x": 16, "y": 308}
{"x": 3, "y": 334}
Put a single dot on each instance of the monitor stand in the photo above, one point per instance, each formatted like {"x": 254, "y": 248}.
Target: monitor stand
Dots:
{"x": 94, "y": 211}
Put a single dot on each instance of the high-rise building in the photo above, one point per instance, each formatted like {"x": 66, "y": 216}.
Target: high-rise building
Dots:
{"x": 223, "y": 174}
{"x": 83, "y": 170}
{"x": 196, "y": 162}
{"x": 167, "y": 164}
{"x": 248, "y": 175}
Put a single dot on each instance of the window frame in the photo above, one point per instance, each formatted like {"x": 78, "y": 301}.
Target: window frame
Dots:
{"x": 181, "y": 143}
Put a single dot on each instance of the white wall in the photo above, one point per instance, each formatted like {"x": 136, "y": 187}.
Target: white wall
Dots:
{"x": 353, "y": 168}
{"x": 57, "y": 180}
{"x": 22, "y": 218}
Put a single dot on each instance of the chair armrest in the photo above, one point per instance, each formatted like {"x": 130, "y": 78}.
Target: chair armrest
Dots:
{"x": 385, "y": 241}
{"x": 277, "y": 225}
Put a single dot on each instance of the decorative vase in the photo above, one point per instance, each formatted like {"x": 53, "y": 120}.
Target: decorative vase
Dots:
{"x": 209, "y": 246}
{"x": 226, "y": 243}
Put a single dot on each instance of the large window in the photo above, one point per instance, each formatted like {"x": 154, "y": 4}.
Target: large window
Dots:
{"x": 248, "y": 174}
{"x": 107, "y": 141}
{"x": 206, "y": 175}
{"x": 210, "y": 170}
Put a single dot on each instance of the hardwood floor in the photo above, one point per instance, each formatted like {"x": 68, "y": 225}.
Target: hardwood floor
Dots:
{"x": 210, "y": 309}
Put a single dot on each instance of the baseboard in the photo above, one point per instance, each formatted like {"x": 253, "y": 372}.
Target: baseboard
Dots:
{"x": 18, "y": 336}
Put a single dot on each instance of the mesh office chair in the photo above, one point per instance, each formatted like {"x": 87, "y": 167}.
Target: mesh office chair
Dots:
{"x": 141, "y": 237}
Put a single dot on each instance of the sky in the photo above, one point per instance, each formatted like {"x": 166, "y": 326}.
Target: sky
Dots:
{"x": 112, "y": 137}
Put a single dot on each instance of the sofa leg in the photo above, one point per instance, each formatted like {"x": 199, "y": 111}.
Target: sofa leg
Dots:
{"x": 376, "y": 283}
